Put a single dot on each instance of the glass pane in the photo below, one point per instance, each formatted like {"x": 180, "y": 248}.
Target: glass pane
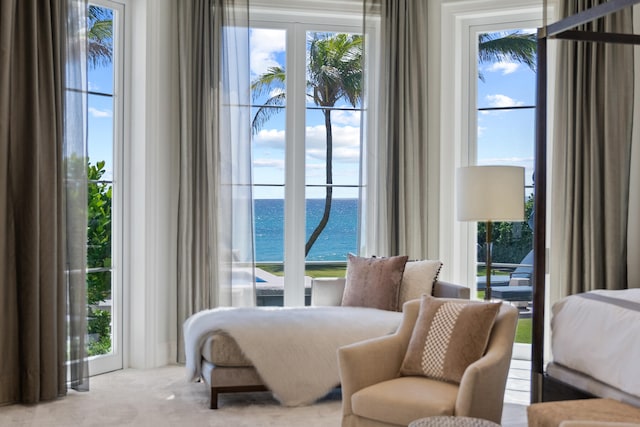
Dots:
{"x": 268, "y": 208}
{"x": 334, "y": 69}
{"x": 100, "y": 173}
{"x": 505, "y": 82}
{"x": 345, "y": 148}
{"x": 100, "y": 49}
{"x": 99, "y": 313}
{"x": 100, "y": 133}
{"x": 268, "y": 59}
{"x": 99, "y": 223}
{"x": 269, "y": 148}
{"x": 507, "y": 137}
{"x": 338, "y": 236}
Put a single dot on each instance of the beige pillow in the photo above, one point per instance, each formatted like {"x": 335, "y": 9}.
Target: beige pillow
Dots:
{"x": 448, "y": 336}
{"x": 373, "y": 282}
{"x": 418, "y": 280}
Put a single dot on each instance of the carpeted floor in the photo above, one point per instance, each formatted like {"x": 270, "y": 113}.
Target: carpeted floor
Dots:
{"x": 162, "y": 397}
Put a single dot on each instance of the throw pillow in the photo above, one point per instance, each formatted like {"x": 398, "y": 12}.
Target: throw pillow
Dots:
{"x": 418, "y": 280}
{"x": 448, "y": 336}
{"x": 373, "y": 282}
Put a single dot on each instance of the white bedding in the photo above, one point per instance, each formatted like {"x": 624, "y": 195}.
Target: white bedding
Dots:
{"x": 293, "y": 349}
{"x": 598, "y": 333}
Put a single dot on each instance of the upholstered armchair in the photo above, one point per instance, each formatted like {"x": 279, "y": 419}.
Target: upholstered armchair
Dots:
{"x": 374, "y": 393}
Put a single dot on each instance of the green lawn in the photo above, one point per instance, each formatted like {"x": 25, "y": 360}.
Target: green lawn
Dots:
{"x": 523, "y": 332}
{"x": 314, "y": 270}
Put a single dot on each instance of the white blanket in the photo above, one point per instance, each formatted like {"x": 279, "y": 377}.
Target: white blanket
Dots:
{"x": 598, "y": 333}
{"x": 293, "y": 349}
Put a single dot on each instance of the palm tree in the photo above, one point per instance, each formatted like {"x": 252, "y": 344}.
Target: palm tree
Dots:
{"x": 516, "y": 46}
{"x": 99, "y": 36}
{"x": 334, "y": 72}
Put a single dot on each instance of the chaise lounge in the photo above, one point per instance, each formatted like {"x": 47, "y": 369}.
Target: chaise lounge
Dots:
{"x": 227, "y": 366}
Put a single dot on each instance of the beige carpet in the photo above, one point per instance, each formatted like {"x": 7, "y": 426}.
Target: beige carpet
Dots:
{"x": 162, "y": 397}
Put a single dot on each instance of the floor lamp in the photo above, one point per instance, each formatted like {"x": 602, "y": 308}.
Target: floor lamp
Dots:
{"x": 490, "y": 193}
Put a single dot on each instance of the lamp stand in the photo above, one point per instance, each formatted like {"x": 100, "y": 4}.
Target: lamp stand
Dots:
{"x": 487, "y": 291}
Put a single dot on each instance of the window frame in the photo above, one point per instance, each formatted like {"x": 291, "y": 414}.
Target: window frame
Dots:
{"x": 458, "y": 123}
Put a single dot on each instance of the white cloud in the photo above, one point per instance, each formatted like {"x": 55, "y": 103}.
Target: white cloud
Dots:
{"x": 341, "y": 117}
{"x": 504, "y": 67}
{"x": 265, "y": 44}
{"x": 100, "y": 113}
{"x": 269, "y": 163}
{"x": 499, "y": 100}
{"x": 346, "y": 143}
{"x": 515, "y": 161}
{"x": 270, "y": 138}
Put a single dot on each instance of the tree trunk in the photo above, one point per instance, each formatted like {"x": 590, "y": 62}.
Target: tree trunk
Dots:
{"x": 329, "y": 189}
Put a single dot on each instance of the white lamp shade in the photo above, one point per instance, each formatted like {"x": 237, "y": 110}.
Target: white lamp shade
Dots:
{"x": 490, "y": 193}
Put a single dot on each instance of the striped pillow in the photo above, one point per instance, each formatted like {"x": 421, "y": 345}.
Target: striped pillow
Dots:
{"x": 448, "y": 336}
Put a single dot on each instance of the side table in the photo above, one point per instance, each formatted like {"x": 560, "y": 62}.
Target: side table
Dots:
{"x": 452, "y": 422}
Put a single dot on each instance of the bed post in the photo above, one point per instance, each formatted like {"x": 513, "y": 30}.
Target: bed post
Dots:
{"x": 539, "y": 221}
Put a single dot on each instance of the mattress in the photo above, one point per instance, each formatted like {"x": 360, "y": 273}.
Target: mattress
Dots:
{"x": 597, "y": 334}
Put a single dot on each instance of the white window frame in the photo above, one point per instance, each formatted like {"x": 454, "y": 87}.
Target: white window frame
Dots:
{"x": 460, "y": 26}
{"x": 297, "y": 20}
{"x": 114, "y": 360}
{"x": 461, "y": 23}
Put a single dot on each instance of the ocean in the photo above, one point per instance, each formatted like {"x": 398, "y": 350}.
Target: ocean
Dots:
{"x": 337, "y": 239}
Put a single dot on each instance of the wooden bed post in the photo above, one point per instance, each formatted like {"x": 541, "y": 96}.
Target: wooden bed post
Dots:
{"x": 539, "y": 222}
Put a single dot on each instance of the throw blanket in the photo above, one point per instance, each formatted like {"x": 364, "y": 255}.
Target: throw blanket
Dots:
{"x": 294, "y": 349}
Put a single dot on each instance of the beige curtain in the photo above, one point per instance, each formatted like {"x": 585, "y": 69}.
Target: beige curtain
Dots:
{"x": 42, "y": 200}
{"x": 591, "y": 159}
{"x": 395, "y": 217}
{"x": 215, "y": 229}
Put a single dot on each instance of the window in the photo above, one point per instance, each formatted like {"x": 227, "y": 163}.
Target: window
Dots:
{"x": 306, "y": 82}
{"x": 104, "y": 140}
{"x": 506, "y": 136}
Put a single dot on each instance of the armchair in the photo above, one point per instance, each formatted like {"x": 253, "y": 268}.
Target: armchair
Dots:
{"x": 373, "y": 393}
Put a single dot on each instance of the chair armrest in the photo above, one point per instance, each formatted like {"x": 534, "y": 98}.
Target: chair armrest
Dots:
{"x": 487, "y": 377}
{"x": 450, "y": 290}
{"x": 327, "y": 291}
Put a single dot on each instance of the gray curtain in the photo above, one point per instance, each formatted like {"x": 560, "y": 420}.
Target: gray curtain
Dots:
{"x": 396, "y": 213}
{"x": 42, "y": 200}
{"x": 215, "y": 228}
{"x": 591, "y": 159}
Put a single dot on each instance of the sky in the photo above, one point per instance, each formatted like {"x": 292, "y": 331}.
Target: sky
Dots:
{"x": 504, "y": 137}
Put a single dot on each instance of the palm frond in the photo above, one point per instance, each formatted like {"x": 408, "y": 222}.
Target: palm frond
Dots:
{"x": 514, "y": 47}
{"x": 266, "y": 111}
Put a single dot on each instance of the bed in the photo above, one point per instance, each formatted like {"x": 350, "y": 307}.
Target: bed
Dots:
{"x": 595, "y": 343}
{"x": 566, "y": 378}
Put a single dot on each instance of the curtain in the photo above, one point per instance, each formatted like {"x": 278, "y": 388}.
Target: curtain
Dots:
{"x": 395, "y": 198}
{"x": 591, "y": 159}
{"x": 215, "y": 228}
{"x": 42, "y": 200}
